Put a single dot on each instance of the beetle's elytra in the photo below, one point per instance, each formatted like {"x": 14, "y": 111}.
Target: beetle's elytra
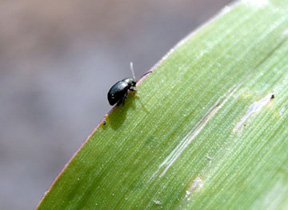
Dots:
{"x": 119, "y": 91}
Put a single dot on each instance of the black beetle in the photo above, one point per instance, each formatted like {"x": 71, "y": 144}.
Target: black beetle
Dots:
{"x": 119, "y": 91}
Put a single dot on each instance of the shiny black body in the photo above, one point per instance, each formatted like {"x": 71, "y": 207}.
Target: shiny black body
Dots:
{"x": 119, "y": 91}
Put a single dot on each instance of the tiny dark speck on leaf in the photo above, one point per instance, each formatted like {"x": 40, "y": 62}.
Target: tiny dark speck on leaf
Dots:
{"x": 272, "y": 96}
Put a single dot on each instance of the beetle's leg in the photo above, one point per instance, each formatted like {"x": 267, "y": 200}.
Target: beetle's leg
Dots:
{"x": 124, "y": 99}
{"x": 132, "y": 89}
{"x": 134, "y": 92}
{"x": 121, "y": 101}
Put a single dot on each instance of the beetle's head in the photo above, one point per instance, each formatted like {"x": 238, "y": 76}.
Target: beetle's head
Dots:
{"x": 130, "y": 81}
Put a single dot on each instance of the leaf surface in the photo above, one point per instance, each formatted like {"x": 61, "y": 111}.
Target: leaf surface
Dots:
{"x": 208, "y": 131}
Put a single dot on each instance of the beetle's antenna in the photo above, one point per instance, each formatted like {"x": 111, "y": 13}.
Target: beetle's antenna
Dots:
{"x": 148, "y": 72}
{"x": 132, "y": 70}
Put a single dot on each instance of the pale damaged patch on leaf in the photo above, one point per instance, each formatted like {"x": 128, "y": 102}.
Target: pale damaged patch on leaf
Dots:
{"x": 157, "y": 202}
{"x": 194, "y": 186}
{"x": 255, "y": 107}
{"x": 256, "y": 3}
{"x": 285, "y": 34}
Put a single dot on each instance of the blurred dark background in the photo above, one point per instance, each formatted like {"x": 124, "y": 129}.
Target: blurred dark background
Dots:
{"x": 58, "y": 59}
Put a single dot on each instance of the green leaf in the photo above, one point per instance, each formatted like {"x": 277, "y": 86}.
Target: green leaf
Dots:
{"x": 208, "y": 131}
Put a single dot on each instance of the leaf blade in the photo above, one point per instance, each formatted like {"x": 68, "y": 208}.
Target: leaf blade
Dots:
{"x": 154, "y": 148}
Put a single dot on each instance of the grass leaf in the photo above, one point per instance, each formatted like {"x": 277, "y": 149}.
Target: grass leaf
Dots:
{"x": 208, "y": 131}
